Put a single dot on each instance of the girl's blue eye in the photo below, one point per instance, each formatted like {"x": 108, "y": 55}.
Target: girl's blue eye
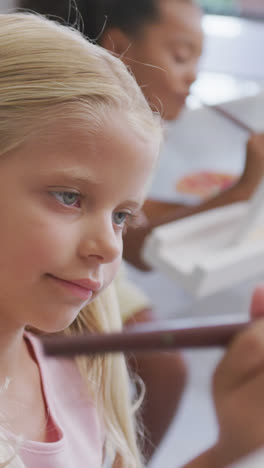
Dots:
{"x": 67, "y": 198}
{"x": 120, "y": 217}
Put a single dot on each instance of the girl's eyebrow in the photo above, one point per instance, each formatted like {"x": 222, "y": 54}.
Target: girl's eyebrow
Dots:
{"x": 136, "y": 205}
{"x": 76, "y": 175}
{"x": 185, "y": 41}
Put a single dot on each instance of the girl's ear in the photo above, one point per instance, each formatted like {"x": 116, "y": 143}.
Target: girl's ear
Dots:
{"x": 115, "y": 40}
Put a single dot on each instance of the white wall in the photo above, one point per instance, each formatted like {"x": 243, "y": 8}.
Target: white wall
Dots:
{"x": 6, "y": 4}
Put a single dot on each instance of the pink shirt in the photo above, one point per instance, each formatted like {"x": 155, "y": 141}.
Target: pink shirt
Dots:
{"x": 73, "y": 419}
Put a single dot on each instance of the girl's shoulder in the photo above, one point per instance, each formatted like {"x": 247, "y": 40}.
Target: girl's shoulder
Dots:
{"x": 59, "y": 376}
{"x": 71, "y": 409}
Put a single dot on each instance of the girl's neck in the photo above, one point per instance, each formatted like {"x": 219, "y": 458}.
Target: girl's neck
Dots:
{"x": 13, "y": 353}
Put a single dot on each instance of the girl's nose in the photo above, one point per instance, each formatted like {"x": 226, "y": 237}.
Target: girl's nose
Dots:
{"x": 191, "y": 73}
{"x": 102, "y": 242}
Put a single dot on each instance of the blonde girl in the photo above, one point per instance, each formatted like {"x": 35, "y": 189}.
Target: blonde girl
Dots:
{"x": 77, "y": 145}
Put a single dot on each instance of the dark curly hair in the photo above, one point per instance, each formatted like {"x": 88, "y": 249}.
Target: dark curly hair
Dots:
{"x": 94, "y": 16}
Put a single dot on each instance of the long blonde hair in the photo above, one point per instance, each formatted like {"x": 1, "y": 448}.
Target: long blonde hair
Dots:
{"x": 50, "y": 72}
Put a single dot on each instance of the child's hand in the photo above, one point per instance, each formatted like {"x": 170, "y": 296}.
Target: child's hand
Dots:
{"x": 238, "y": 389}
{"x": 257, "y": 303}
{"x": 254, "y": 166}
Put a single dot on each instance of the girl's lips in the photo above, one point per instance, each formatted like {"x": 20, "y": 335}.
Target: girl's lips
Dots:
{"x": 84, "y": 289}
{"x": 87, "y": 284}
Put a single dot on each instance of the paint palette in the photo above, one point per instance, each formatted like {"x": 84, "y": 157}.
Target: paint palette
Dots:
{"x": 205, "y": 184}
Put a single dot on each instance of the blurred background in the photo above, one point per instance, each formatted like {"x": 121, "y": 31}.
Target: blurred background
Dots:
{"x": 247, "y": 8}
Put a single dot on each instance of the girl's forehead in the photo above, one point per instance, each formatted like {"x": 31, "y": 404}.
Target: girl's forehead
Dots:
{"x": 85, "y": 121}
{"x": 180, "y": 25}
{"x": 71, "y": 140}
{"x": 112, "y": 164}
{"x": 178, "y": 15}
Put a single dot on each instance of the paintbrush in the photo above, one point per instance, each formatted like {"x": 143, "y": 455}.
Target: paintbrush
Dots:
{"x": 164, "y": 335}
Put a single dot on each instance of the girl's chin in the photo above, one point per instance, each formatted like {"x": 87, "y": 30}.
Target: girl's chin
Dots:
{"x": 175, "y": 114}
{"x": 55, "y": 326}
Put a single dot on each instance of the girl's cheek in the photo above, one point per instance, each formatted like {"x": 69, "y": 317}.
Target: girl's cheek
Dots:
{"x": 112, "y": 270}
{"x": 43, "y": 245}
{"x": 117, "y": 265}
